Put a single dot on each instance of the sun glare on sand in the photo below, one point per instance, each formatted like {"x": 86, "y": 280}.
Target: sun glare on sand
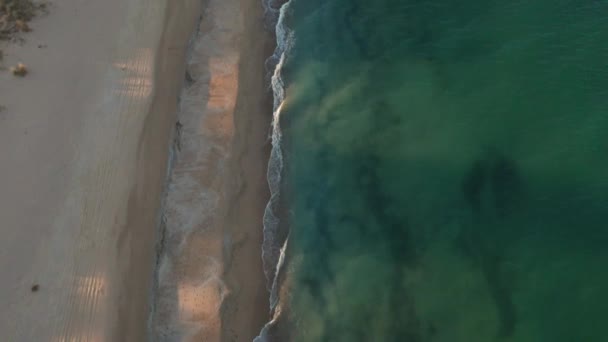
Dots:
{"x": 136, "y": 82}
{"x": 223, "y": 90}
{"x": 90, "y": 296}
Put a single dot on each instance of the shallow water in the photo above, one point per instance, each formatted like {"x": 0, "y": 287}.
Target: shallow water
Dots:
{"x": 448, "y": 171}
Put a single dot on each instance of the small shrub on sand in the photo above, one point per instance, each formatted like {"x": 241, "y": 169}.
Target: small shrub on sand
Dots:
{"x": 19, "y": 70}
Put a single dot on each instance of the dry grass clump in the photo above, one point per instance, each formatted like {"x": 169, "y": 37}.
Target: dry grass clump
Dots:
{"x": 15, "y": 14}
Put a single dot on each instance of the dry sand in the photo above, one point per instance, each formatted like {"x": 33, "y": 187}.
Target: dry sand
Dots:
{"x": 211, "y": 285}
{"x": 84, "y": 141}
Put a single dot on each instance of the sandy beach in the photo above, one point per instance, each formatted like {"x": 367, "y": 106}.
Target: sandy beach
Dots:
{"x": 85, "y": 140}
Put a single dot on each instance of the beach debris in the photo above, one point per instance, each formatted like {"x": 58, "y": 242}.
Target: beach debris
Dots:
{"x": 19, "y": 70}
{"x": 189, "y": 78}
{"x": 35, "y": 288}
{"x": 178, "y": 136}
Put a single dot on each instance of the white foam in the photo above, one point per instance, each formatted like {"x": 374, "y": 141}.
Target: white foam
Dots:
{"x": 273, "y": 251}
{"x": 271, "y": 247}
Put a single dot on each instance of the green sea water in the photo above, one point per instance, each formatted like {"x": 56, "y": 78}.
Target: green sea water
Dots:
{"x": 447, "y": 164}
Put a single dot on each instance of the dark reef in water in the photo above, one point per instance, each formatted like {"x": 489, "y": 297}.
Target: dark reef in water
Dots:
{"x": 473, "y": 184}
{"x": 495, "y": 177}
{"x": 496, "y": 180}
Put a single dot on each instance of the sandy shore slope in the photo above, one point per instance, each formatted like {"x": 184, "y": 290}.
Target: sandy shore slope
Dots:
{"x": 211, "y": 285}
{"x": 83, "y": 152}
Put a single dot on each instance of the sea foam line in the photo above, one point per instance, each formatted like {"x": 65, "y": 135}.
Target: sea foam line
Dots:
{"x": 271, "y": 247}
{"x": 273, "y": 251}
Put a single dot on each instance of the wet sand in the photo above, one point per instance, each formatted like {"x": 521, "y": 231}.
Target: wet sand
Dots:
{"x": 211, "y": 285}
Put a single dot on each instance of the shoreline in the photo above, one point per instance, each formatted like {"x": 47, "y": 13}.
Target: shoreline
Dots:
{"x": 276, "y": 248}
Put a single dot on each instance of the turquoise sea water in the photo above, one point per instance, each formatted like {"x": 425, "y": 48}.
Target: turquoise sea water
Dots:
{"x": 447, "y": 165}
